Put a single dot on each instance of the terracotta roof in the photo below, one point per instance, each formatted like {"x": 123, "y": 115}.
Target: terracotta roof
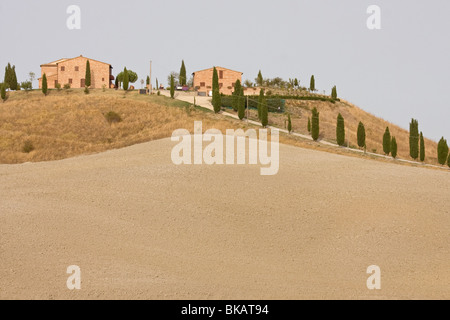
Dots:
{"x": 55, "y": 63}
{"x": 216, "y": 68}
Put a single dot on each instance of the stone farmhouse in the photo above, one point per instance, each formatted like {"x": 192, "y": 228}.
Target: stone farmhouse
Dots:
{"x": 227, "y": 79}
{"x": 73, "y": 71}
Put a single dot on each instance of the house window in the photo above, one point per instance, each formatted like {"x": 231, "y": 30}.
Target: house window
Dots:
{"x": 103, "y": 79}
{"x": 63, "y": 68}
{"x": 221, "y": 74}
{"x": 202, "y": 84}
{"x": 220, "y": 85}
{"x": 70, "y": 81}
{"x": 233, "y": 84}
{"x": 77, "y": 68}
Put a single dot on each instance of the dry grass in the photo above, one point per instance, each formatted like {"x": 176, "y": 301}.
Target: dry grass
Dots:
{"x": 300, "y": 111}
{"x": 64, "y": 125}
{"x": 69, "y": 123}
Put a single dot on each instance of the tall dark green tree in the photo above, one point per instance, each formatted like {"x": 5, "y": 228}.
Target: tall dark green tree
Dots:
{"x": 387, "y": 141}
{"x": 394, "y": 147}
{"x": 147, "y": 82}
{"x": 13, "y": 81}
{"x": 260, "y": 101}
{"x": 312, "y": 84}
{"x": 3, "y": 92}
{"x": 126, "y": 79}
{"x": 241, "y": 107}
{"x": 340, "y": 130}
{"x": 315, "y": 129}
{"x": 172, "y": 86}
{"x": 7, "y": 77}
{"x": 44, "y": 85}
{"x": 442, "y": 151}
{"x": 259, "y": 79}
{"x": 448, "y": 160}
{"x": 88, "y": 74}
{"x": 216, "y": 99}
{"x": 236, "y": 97}
{"x": 422, "y": 147}
{"x": 296, "y": 83}
{"x": 414, "y": 139}
{"x": 334, "y": 93}
{"x": 361, "y": 135}
{"x": 264, "y": 113}
{"x": 289, "y": 123}
{"x": 183, "y": 78}
{"x": 309, "y": 124}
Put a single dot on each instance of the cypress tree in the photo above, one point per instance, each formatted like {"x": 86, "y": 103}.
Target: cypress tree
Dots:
{"x": 216, "y": 99}
{"x": 172, "y": 87}
{"x": 394, "y": 148}
{"x": 241, "y": 108}
{"x": 289, "y": 123}
{"x": 361, "y": 135}
{"x": 7, "y": 78}
{"x": 259, "y": 79}
{"x": 334, "y": 93}
{"x": 126, "y": 79}
{"x": 312, "y": 84}
{"x": 44, "y": 84}
{"x": 296, "y": 83}
{"x": 340, "y": 130}
{"x": 264, "y": 113}
{"x": 315, "y": 124}
{"x": 147, "y": 82}
{"x": 422, "y": 147}
{"x": 448, "y": 160}
{"x": 13, "y": 81}
{"x": 387, "y": 142}
{"x": 260, "y": 101}
{"x": 236, "y": 99}
{"x": 414, "y": 139}
{"x": 3, "y": 92}
{"x": 88, "y": 74}
{"x": 442, "y": 151}
{"x": 116, "y": 83}
{"x": 309, "y": 124}
{"x": 182, "y": 74}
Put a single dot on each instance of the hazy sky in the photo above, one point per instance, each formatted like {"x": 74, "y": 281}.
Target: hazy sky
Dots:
{"x": 398, "y": 72}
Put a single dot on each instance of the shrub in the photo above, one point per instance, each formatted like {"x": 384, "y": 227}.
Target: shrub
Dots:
{"x": 28, "y": 146}
{"x": 387, "y": 142}
{"x": 3, "y": 92}
{"x": 340, "y": 130}
{"x": 58, "y": 86}
{"x": 442, "y": 151}
{"x": 394, "y": 147}
{"x": 113, "y": 117}
{"x": 315, "y": 124}
{"x": 289, "y": 123}
{"x": 414, "y": 139}
{"x": 361, "y": 135}
{"x": 422, "y": 147}
{"x": 44, "y": 85}
{"x": 67, "y": 86}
